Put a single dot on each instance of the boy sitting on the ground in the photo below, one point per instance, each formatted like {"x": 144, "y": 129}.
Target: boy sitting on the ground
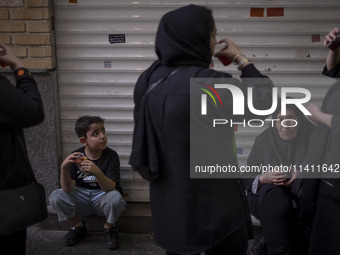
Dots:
{"x": 91, "y": 186}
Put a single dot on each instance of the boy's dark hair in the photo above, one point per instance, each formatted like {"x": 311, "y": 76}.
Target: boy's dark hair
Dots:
{"x": 83, "y": 124}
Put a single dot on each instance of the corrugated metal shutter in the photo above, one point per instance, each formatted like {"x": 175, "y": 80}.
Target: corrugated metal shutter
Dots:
{"x": 96, "y": 77}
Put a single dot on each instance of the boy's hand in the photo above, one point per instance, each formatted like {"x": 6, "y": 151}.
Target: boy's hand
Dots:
{"x": 70, "y": 160}
{"x": 88, "y": 167}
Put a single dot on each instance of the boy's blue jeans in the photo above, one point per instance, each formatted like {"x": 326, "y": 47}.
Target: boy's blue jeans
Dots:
{"x": 85, "y": 202}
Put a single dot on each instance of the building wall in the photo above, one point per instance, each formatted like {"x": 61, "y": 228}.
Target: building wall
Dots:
{"x": 94, "y": 76}
{"x": 27, "y": 26}
{"x": 103, "y": 46}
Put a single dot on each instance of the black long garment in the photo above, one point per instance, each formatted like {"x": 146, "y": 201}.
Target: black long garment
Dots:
{"x": 20, "y": 107}
{"x": 324, "y": 148}
{"x": 320, "y": 197}
{"x": 189, "y": 215}
{"x": 325, "y": 141}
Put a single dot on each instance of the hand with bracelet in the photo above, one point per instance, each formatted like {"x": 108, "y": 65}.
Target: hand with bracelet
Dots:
{"x": 233, "y": 53}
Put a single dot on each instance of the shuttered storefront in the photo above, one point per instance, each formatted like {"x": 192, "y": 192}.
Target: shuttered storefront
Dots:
{"x": 104, "y": 45}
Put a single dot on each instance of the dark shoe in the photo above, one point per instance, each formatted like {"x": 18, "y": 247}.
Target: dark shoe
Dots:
{"x": 111, "y": 238}
{"x": 75, "y": 235}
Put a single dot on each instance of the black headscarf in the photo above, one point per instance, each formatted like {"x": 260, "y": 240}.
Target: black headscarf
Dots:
{"x": 178, "y": 44}
{"x": 275, "y": 151}
{"x": 293, "y": 152}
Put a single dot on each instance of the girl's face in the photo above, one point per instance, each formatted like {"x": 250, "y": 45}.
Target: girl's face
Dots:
{"x": 213, "y": 41}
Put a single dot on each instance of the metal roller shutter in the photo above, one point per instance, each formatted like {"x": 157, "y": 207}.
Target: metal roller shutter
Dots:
{"x": 96, "y": 77}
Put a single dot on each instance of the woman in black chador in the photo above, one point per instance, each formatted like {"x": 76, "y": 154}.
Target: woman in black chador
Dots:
{"x": 20, "y": 107}
{"x": 320, "y": 199}
{"x": 272, "y": 195}
{"x": 190, "y": 216}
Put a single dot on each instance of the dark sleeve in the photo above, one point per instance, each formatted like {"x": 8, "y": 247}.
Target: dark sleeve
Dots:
{"x": 20, "y": 106}
{"x": 335, "y": 72}
{"x": 335, "y": 123}
{"x": 262, "y": 89}
{"x": 250, "y": 71}
{"x": 335, "y": 127}
{"x": 261, "y": 85}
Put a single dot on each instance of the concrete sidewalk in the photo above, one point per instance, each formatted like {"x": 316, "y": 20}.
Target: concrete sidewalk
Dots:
{"x": 46, "y": 238}
{"x": 50, "y": 242}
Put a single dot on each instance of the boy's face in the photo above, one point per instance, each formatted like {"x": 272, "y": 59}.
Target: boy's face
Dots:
{"x": 96, "y": 138}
